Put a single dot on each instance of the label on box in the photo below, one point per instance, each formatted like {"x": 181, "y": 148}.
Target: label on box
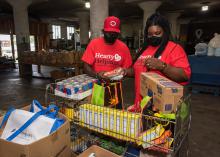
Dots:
{"x": 168, "y": 107}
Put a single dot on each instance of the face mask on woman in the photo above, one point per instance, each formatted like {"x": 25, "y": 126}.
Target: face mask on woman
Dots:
{"x": 154, "y": 40}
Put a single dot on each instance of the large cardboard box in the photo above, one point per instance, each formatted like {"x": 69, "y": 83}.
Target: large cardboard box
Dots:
{"x": 166, "y": 93}
{"x": 56, "y": 144}
{"x": 98, "y": 152}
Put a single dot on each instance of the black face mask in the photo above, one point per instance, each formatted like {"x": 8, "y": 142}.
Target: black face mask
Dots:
{"x": 154, "y": 40}
{"x": 110, "y": 37}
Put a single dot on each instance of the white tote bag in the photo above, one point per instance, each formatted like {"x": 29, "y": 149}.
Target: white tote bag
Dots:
{"x": 24, "y": 127}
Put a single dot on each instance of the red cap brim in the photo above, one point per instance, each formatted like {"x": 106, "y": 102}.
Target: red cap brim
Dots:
{"x": 111, "y": 30}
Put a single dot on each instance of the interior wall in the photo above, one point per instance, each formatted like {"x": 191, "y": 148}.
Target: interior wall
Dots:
{"x": 131, "y": 28}
{"x": 57, "y": 22}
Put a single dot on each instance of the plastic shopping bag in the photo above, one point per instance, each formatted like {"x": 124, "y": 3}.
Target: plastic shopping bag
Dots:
{"x": 98, "y": 95}
{"x": 109, "y": 95}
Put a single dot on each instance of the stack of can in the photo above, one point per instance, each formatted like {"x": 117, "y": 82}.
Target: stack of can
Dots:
{"x": 76, "y": 85}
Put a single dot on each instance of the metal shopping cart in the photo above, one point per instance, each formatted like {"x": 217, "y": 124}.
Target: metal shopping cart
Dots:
{"x": 147, "y": 132}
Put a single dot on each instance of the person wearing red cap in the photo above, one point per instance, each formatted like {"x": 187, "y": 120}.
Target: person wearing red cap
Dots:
{"x": 107, "y": 53}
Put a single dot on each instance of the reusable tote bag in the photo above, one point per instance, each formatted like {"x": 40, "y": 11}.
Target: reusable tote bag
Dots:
{"x": 108, "y": 94}
{"x": 24, "y": 127}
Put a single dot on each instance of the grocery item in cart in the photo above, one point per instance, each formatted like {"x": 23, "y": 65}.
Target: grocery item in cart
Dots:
{"x": 166, "y": 93}
{"x": 76, "y": 88}
{"x": 163, "y": 147}
{"x": 112, "y": 122}
{"x": 162, "y": 139}
{"x": 151, "y": 134}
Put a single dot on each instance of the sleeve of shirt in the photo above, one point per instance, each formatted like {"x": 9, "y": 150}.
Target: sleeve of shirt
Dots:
{"x": 88, "y": 56}
{"x": 127, "y": 58}
{"x": 179, "y": 59}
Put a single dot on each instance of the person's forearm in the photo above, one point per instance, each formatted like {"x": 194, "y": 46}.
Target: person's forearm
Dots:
{"x": 88, "y": 70}
{"x": 175, "y": 74}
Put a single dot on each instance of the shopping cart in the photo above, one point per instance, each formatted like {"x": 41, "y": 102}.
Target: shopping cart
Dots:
{"x": 151, "y": 134}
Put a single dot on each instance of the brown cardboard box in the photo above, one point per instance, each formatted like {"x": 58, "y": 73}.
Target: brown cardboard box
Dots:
{"x": 56, "y": 144}
{"x": 166, "y": 93}
{"x": 98, "y": 152}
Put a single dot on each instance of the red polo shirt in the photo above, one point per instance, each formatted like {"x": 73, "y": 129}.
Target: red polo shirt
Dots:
{"x": 173, "y": 55}
{"x": 105, "y": 57}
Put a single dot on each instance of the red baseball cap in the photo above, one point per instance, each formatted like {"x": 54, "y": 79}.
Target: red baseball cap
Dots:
{"x": 112, "y": 24}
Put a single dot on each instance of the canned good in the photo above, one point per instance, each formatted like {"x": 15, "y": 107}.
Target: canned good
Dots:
{"x": 90, "y": 85}
{"x": 85, "y": 86}
{"x": 60, "y": 86}
{"x": 68, "y": 89}
{"x": 76, "y": 88}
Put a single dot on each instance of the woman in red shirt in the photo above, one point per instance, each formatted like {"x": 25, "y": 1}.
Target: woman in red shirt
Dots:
{"x": 160, "y": 55}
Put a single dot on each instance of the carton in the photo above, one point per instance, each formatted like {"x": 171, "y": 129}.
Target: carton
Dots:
{"x": 166, "y": 93}
{"x": 97, "y": 152}
{"x": 109, "y": 121}
{"x": 56, "y": 144}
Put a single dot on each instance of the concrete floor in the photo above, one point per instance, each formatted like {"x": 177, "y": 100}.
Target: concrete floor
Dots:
{"x": 204, "y": 136}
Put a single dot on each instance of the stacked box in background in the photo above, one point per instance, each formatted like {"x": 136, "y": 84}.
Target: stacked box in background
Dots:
{"x": 166, "y": 93}
{"x": 116, "y": 123}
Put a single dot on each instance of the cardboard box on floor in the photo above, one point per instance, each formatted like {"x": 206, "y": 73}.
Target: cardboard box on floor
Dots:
{"x": 98, "y": 152}
{"x": 56, "y": 144}
{"x": 166, "y": 93}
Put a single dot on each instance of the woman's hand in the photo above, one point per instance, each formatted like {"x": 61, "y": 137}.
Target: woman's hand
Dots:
{"x": 155, "y": 64}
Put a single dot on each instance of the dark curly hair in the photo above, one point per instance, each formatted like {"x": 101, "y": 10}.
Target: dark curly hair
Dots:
{"x": 159, "y": 20}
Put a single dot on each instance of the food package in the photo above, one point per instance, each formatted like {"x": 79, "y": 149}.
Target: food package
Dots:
{"x": 166, "y": 93}
{"x": 160, "y": 140}
{"x": 77, "y": 87}
{"x": 151, "y": 134}
{"x": 112, "y": 122}
{"x": 163, "y": 147}
{"x": 115, "y": 74}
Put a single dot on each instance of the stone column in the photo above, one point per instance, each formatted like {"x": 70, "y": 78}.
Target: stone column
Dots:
{"x": 84, "y": 28}
{"x": 149, "y": 7}
{"x": 174, "y": 25}
{"x": 98, "y": 12}
{"x": 21, "y": 23}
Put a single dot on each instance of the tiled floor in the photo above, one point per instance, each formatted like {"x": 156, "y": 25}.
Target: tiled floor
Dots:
{"x": 204, "y": 135}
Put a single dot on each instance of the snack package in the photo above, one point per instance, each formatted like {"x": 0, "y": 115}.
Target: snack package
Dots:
{"x": 160, "y": 140}
{"x": 163, "y": 147}
{"x": 151, "y": 134}
{"x": 114, "y": 73}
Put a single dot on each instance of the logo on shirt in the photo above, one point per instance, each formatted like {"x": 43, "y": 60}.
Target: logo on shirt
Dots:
{"x": 141, "y": 59}
{"x": 115, "y": 57}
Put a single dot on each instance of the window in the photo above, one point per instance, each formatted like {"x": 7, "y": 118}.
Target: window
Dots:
{"x": 32, "y": 43}
{"x": 56, "y": 29}
{"x": 70, "y": 31}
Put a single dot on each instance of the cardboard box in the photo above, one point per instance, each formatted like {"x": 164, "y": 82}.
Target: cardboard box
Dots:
{"x": 166, "y": 93}
{"x": 56, "y": 144}
{"x": 98, "y": 152}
